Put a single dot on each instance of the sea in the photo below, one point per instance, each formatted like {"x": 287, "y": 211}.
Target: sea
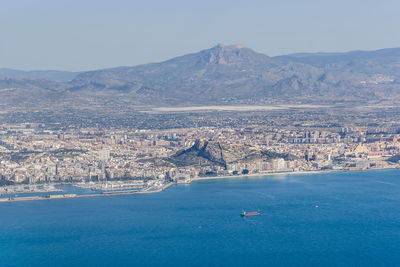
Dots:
{"x": 326, "y": 219}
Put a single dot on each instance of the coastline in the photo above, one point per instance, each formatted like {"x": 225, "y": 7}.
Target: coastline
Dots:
{"x": 263, "y": 174}
{"x": 286, "y": 173}
{"x": 282, "y": 173}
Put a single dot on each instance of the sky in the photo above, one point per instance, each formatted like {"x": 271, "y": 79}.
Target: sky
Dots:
{"x": 78, "y": 35}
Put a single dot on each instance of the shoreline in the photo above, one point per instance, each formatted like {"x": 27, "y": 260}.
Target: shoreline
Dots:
{"x": 263, "y": 174}
{"x": 282, "y": 173}
{"x": 285, "y": 173}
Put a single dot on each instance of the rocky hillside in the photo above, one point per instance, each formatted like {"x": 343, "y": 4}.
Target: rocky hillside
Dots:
{"x": 217, "y": 153}
{"x": 236, "y": 74}
{"x": 222, "y": 75}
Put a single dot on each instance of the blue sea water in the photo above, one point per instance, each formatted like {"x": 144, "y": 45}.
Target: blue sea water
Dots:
{"x": 332, "y": 219}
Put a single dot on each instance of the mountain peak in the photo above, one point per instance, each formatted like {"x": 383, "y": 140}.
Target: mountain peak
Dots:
{"x": 233, "y": 46}
{"x": 229, "y": 48}
{"x": 231, "y": 54}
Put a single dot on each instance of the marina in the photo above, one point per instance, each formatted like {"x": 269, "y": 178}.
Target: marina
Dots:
{"x": 86, "y": 191}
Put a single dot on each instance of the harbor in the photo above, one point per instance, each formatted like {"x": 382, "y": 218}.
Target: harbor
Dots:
{"x": 84, "y": 190}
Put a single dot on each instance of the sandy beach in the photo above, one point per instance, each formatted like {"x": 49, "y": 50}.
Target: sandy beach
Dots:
{"x": 283, "y": 173}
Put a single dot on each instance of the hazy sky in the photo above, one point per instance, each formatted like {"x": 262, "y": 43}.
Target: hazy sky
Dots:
{"x": 91, "y": 34}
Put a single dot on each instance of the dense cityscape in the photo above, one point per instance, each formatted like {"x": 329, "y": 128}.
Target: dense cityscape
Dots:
{"x": 38, "y": 156}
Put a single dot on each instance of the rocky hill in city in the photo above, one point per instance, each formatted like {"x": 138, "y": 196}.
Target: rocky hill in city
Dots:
{"x": 205, "y": 152}
{"x": 394, "y": 159}
{"x": 220, "y": 75}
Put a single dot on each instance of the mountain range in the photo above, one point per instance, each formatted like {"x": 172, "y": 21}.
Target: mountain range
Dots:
{"x": 52, "y": 75}
{"x": 220, "y": 75}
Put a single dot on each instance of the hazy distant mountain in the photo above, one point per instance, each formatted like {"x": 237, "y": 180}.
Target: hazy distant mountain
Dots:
{"x": 235, "y": 74}
{"x": 221, "y": 74}
{"x": 52, "y": 75}
{"x": 383, "y": 56}
{"x": 231, "y": 75}
{"x": 27, "y": 93}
